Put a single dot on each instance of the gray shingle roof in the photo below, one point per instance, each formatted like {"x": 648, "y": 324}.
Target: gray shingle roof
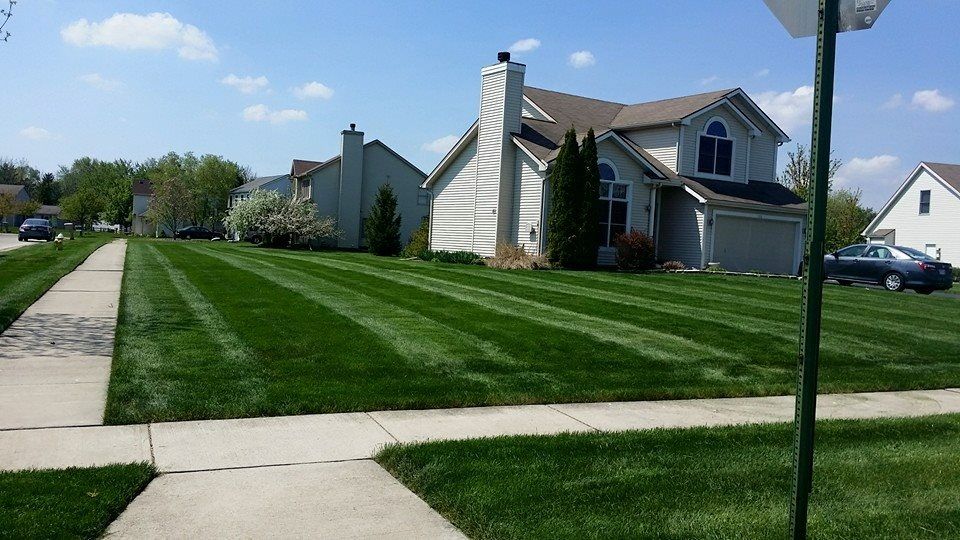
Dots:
{"x": 142, "y": 187}
{"x": 665, "y": 111}
{"x": 256, "y": 183}
{"x": 949, "y": 172}
{"x": 765, "y": 193}
{"x": 11, "y": 189}
{"x": 301, "y": 166}
{"x": 48, "y": 210}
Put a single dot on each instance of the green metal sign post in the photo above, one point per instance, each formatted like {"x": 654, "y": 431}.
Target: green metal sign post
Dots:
{"x": 810, "y": 309}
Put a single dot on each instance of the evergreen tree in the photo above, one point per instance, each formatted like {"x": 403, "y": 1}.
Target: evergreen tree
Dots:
{"x": 383, "y": 224}
{"x": 590, "y": 204}
{"x": 566, "y": 194}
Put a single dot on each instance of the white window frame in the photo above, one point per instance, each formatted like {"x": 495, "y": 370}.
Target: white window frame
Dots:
{"x": 929, "y": 193}
{"x": 733, "y": 152}
{"x": 628, "y": 198}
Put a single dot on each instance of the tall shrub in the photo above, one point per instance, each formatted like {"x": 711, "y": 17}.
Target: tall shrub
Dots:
{"x": 635, "y": 251}
{"x": 566, "y": 193}
{"x": 419, "y": 240}
{"x": 590, "y": 204}
{"x": 383, "y": 223}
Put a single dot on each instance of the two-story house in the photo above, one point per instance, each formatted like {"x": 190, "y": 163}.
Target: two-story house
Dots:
{"x": 923, "y": 213}
{"x": 697, "y": 173}
{"x": 345, "y": 186}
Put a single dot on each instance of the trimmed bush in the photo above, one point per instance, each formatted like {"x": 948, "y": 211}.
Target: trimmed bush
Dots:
{"x": 714, "y": 268}
{"x": 635, "y": 251}
{"x": 956, "y": 274}
{"x": 453, "y": 257}
{"x": 674, "y": 265}
{"x": 511, "y": 257}
{"x": 419, "y": 240}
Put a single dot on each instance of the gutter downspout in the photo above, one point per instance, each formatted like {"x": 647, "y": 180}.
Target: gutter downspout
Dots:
{"x": 653, "y": 212}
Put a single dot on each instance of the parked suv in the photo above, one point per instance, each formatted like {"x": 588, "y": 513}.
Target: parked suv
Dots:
{"x": 35, "y": 228}
{"x": 895, "y": 268}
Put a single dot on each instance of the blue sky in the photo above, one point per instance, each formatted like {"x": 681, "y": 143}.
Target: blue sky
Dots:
{"x": 264, "y": 82}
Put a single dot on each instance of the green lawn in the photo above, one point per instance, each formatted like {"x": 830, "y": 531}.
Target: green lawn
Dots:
{"x": 67, "y": 503}
{"x": 26, "y": 273}
{"x": 874, "y": 479}
{"x": 217, "y": 330}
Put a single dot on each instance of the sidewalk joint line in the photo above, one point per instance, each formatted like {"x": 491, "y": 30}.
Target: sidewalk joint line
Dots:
{"x": 153, "y": 458}
{"x": 387, "y": 431}
{"x": 267, "y": 465}
{"x": 577, "y": 420}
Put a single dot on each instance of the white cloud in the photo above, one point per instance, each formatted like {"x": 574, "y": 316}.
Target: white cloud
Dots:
{"x": 155, "y": 31}
{"x": 35, "y": 133}
{"x": 894, "y": 102}
{"x": 788, "y": 109}
{"x": 582, "y": 59}
{"x": 877, "y": 176}
{"x": 247, "y": 85}
{"x": 525, "y": 45}
{"x": 932, "y": 101}
{"x": 101, "y": 83}
{"x": 709, "y": 80}
{"x": 441, "y": 145}
{"x": 313, "y": 89}
{"x": 262, "y": 113}
{"x": 762, "y": 73}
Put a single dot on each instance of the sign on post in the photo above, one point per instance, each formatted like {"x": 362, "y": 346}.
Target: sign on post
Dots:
{"x": 800, "y": 17}
{"x": 825, "y": 19}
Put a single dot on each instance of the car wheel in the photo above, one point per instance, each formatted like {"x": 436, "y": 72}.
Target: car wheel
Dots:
{"x": 893, "y": 282}
{"x": 844, "y": 282}
{"x": 255, "y": 239}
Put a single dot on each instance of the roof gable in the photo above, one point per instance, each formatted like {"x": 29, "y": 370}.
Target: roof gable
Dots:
{"x": 950, "y": 178}
{"x": 256, "y": 183}
{"x": 12, "y": 190}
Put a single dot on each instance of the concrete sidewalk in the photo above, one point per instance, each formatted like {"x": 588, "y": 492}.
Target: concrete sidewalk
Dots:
{"x": 55, "y": 359}
{"x": 321, "y": 438}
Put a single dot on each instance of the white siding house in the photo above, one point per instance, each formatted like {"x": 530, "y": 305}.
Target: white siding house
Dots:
{"x": 924, "y": 213}
{"x": 344, "y": 187}
{"x": 696, "y": 173}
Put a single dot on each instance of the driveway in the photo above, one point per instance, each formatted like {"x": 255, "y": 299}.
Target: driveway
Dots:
{"x": 9, "y": 241}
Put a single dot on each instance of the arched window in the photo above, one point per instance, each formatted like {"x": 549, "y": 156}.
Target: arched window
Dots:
{"x": 715, "y": 149}
{"x": 614, "y": 211}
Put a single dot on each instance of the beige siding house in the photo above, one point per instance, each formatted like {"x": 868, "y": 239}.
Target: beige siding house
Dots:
{"x": 924, "y": 213}
{"x": 344, "y": 187}
{"x": 697, "y": 173}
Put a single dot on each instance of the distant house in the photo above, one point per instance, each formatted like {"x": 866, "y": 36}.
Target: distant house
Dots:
{"x": 141, "y": 224}
{"x": 923, "y": 213}
{"x": 279, "y": 183}
{"x": 697, "y": 173}
{"x": 17, "y": 194}
{"x": 344, "y": 186}
{"x": 50, "y": 212}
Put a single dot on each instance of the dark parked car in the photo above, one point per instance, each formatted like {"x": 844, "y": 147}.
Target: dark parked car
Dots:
{"x": 35, "y": 228}
{"x": 195, "y": 231}
{"x": 895, "y": 268}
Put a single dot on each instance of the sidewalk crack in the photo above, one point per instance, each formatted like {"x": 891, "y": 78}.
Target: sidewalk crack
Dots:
{"x": 577, "y": 420}
{"x": 387, "y": 431}
{"x": 153, "y": 458}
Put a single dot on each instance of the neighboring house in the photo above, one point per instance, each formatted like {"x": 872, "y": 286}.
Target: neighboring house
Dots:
{"x": 141, "y": 224}
{"x": 345, "y": 186}
{"x": 18, "y": 194}
{"x": 697, "y": 173}
{"x": 279, "y": 183}
{"x": 50, "y": 212}
{"x": 924, "y": 213}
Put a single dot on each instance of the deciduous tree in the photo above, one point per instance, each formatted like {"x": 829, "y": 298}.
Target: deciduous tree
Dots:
{"x": 798, "y": 173}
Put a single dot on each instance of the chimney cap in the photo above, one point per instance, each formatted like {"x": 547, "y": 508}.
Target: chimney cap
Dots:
{"x": 503, "y": 56}
{"x": 353, "y": 127}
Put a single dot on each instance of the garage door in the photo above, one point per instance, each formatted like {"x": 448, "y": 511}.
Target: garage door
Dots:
{"x": 747, "y": 244}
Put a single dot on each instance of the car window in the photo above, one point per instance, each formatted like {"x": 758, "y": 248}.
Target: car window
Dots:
{"x": 33, "y": 221}
{"x": 917, "y": 254}
{"x": 852, "y": 251}
{"x": 879, "y": 252}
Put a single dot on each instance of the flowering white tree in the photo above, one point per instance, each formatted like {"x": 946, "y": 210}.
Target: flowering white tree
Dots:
{"x": 280, "y": 218}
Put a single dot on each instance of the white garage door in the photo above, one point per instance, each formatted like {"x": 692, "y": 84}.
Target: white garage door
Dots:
{"x": 747, "y": 244}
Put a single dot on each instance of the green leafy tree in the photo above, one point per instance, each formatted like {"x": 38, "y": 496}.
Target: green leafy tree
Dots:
{"x": 798, "y": 173}
{"x": 19, "y": 172}
{"x": 383, "y": 224}
{"x": 566, "y": 211}
{"x": 419, "y": 240}
{"x": 590, "y": 211}
{"x": 214, "y": 177}
{"x": 846, "y": 219}
{"x": 48, "y": 190}
{"x": 84, "y": 204}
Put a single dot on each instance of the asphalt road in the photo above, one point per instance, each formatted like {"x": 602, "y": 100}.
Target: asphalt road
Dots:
{"x": 9, "y": 241}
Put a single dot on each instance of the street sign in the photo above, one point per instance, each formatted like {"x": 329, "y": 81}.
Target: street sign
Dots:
{"x": 800, "y": 17}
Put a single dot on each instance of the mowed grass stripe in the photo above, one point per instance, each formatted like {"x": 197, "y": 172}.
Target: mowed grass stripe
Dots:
{"x": 237, "y": 355}
{"x": 644, "y": 341}
{"x": 417, "y": 339}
